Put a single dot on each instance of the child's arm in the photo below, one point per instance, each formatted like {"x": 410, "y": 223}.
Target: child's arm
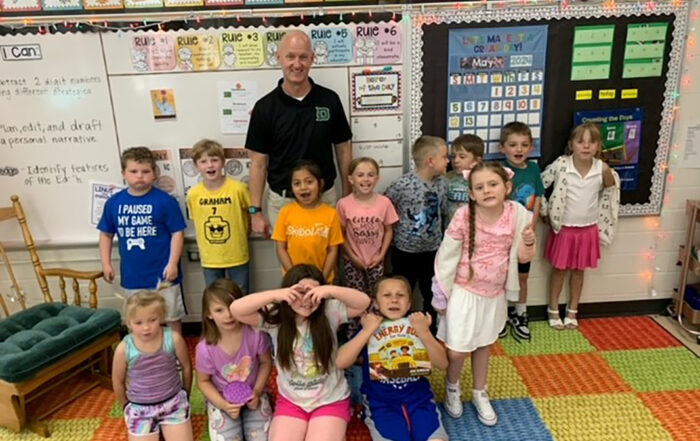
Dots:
{"x": 608, "y": 178}
{"x": 212, "y": 394}
{"x": 283, "y": 255}
{"x": 106, "y": 256}
{"x": 331, "y": 260}
{"x": 386, "y": 243}
{"x": 436, "y": 352}
{"x": 246, "y": 308}
{"x": 177, "y": 242}
{"x": 264, "y": 369}
{"x": 536, "y": 212}
{"x": 526, "y": 250}
{"x": 355, "y": 301}
{"x": 184, "y": 358}
{"x": 119, "y": 375}
{"x": 348, "y": 353}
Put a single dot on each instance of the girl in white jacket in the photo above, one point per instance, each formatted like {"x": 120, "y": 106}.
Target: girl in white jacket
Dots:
{"x": 475, "y": 265}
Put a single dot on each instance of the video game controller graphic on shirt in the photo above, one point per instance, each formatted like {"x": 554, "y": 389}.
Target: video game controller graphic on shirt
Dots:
{"x": 135, "y": 242}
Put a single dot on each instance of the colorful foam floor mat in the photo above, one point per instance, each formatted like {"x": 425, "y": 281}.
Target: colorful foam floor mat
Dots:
{"x": 612, "y": 379}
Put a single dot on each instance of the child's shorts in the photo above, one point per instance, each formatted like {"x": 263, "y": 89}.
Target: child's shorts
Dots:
{"x": 413, "y": 421}
{"x": 174, "y": 305}
{"x": 339, "y": 409}
{"x": 251, "y": 425}
{"x": 145, "y": 419}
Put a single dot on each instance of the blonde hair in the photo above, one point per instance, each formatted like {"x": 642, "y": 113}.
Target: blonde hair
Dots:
{"x": 357, "y": 161}
{"x": 144, "y": 299}
{"x": 470, "y": 144}
{"x": 580, "y": 130}
{"x": 207, "y": 147}
{"x": 424, "y": 147}
{"x": 224, "y": 291}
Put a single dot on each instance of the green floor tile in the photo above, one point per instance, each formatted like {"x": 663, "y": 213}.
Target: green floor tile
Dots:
{"x": 546, "y": 340}
{"x": 651, "y": 370}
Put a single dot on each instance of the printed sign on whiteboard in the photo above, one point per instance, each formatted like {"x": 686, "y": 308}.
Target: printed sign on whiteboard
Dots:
{"x": 378, "y": 90}
{"x": 236, "y": 101}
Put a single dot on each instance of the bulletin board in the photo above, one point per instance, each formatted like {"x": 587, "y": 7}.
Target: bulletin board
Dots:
{"x": 591, "y": 71}
{"x": 71, "y": 102}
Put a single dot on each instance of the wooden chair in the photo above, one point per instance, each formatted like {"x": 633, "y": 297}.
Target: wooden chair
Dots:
{"x": 26, "y": 402}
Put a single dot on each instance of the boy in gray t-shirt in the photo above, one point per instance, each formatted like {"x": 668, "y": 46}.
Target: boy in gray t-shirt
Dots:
{"x": 419, "y": 197}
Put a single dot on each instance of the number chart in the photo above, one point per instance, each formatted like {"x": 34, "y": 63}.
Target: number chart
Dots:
{"x": 496, "y": 76}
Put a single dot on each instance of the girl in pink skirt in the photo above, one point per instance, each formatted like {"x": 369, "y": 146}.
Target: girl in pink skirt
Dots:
{"x": 582, "y": 212}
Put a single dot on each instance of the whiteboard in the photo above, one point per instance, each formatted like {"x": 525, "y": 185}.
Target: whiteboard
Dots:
{"x": 56, "y": 133}
{"x": 114, "y": 109}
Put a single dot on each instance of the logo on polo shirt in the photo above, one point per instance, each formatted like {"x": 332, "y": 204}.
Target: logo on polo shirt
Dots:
{"x": 322, "y": 114}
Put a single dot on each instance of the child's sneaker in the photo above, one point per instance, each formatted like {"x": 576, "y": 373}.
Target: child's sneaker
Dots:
{"x": 504, "y": 331}
{"x": 520, "y": 325}
{"x": 484, "y": 410}
{"x": 453, "y": 401}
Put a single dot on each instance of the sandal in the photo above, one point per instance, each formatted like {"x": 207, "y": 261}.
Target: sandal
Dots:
{"x": 571, "y": 322}
{"x": 555, "y": 323}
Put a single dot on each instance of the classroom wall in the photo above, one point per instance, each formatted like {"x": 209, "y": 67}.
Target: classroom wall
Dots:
{"x": 643, "y": 246}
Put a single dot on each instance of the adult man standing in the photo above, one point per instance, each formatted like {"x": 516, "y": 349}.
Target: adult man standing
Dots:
{"x": 299, "y": 119}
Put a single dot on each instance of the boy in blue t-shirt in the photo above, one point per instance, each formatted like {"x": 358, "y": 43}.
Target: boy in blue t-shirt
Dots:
{"x": 150, "y": 228}
{"x": 398, "y": 400}
{"x": 516, "y": 145}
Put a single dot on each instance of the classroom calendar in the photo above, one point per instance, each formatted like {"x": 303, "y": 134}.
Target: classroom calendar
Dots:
{"x": 496, "y": 76}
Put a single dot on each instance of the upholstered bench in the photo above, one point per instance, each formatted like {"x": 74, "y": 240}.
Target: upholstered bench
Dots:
{"x": 52, "y": 350}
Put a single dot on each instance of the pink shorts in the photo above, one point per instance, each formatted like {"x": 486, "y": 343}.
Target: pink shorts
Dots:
{"x": 339, "y": 409}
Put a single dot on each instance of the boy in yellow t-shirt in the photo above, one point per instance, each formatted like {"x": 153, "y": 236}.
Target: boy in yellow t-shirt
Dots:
{"x": 219, "y": 208}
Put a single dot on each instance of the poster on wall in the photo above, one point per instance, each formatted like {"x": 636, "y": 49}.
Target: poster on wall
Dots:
{"x": 236, "y": 101}
{"x": 496, "y": 76}
{"x": 621, "y": 130}
{"x": 376, "y": 90}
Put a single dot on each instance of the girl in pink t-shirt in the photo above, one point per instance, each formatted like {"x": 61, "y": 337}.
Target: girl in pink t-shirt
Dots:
{"x": 367, "y": 219}
{"x": 232, "y": 362}
{"x": 472, "y": 269}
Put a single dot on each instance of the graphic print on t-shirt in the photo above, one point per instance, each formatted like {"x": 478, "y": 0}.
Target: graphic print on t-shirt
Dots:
{"x": 217, "y": 229}
{"x": 525, "y": 195}
{"x": 426, "y": 218}
{"x": 237, "y": 372}
{"x": 134, "y": 223}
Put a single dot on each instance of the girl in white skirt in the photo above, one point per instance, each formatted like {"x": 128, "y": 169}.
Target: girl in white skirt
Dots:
{"x": 474, "y": 267}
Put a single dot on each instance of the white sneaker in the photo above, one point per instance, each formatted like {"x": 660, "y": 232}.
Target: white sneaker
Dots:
{"x": 453, "y": 403}
{"x": 485, "y": 411}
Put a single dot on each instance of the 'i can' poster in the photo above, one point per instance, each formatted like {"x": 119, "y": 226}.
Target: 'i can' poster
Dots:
{"x": 496, "y": 76}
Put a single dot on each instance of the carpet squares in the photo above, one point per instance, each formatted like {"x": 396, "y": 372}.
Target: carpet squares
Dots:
{"x": 612, "y": 379}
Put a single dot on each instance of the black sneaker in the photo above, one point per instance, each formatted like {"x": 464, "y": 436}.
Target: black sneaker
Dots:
{"x": 520, "y": 325}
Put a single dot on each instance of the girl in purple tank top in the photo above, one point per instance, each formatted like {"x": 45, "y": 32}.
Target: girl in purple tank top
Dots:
{"x": 145, "y": 373}
{"x": 233, "y": 362}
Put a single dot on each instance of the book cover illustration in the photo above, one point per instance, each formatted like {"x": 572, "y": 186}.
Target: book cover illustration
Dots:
{"x": 395, "y": 351}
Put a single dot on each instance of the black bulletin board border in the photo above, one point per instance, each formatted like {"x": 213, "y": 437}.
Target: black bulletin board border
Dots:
{"x": 656, "y": 95}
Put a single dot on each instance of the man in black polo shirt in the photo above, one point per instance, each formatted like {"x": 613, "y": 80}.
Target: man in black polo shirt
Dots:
{"x": 297, "y": 120}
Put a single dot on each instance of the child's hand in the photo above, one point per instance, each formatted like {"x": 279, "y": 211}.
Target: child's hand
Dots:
{"x": 233, "y": 410}
{"x": 108, "y": 273}
{"x": 254, "y": 401}
{"x": 170, "y": 272}
{"x": 421, "y": 322}
{"x": 376, "y": 260}
{"x": 289, "y": 295}
{"x": 371, "y": 321}
{"x": 318, "y": 293}
{"x": 528, "y": 236}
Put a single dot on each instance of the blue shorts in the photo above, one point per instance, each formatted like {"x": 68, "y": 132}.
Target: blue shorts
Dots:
{"x": 414, "y": 421}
